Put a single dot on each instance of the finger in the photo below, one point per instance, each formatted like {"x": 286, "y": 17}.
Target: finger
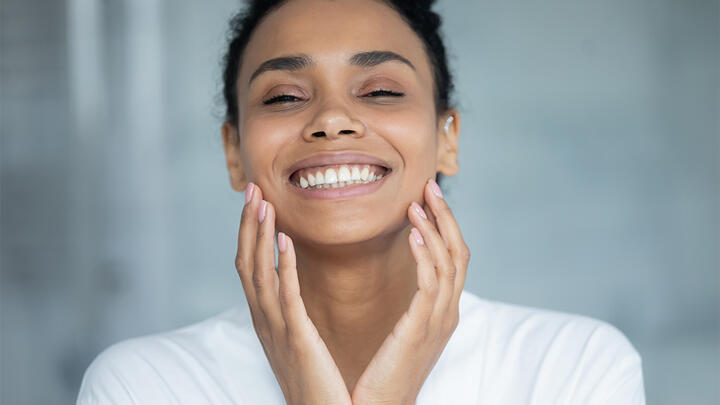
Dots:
{"x": 429, "y": 214}
{"x": 265, "y": 278}
{"x": 438, "y": 252}
{"x": 423, "y": 303}
{"x": 450, "y": 232}
{"x": 291, "y": 303}
{"x": 245, "y": 259}
{"x": 247, "y": 234}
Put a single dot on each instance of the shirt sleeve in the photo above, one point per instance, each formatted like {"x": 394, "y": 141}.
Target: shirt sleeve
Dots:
{"x": 127, "y": 373}
{"x": 612, "y": 372}
{"x": 629, "y": 387}
{"x": 103, "y": 382}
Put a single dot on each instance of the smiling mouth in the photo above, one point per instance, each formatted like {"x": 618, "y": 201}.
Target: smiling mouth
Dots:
{"x": 337, "y": 176}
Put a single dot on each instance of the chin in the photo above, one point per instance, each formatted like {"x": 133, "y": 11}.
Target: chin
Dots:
{"x": 342, "y": 231}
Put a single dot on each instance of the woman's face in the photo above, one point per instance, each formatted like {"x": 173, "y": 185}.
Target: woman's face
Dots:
{"x": 330, "y": 103}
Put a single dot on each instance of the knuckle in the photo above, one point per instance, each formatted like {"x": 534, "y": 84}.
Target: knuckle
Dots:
{"x": 464, "y": 253}
{"x": 431, "y": 288}
{"x": 259, "y": 279}
{"x": 450, "y": 271}
{"x": 287, "y": 296}
{"x": 452, "y": 323}
{"x": 240, "y": 262}
{"x": 454, "y": 320}
{"x": 424, "y": 284}
{"x": 449, "y": 320}
{"x": 261, "y": 233}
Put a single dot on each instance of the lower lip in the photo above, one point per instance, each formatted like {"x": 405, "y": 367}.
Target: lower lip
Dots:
{"x": 353, "y": 190}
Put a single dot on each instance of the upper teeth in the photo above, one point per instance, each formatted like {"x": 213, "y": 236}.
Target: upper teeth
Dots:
{"x": 338, "y": 176}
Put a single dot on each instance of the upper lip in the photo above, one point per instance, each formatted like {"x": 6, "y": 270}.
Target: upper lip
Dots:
{"x": 324, "y": 159}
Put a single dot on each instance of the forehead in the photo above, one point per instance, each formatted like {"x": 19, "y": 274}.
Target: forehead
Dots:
{"x": 330, "y": 31}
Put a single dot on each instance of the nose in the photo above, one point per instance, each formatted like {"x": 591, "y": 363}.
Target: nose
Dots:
{"x": 332, "y": 122}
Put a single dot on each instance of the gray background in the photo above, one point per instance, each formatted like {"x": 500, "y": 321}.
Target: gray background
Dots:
{"x": 589, "y": 176}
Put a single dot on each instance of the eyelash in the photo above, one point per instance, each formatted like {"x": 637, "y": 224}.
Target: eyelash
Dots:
{"x": 284, "y": 97}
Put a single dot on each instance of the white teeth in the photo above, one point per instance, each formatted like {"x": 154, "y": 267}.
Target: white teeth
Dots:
{"x": 365, "y": 173}
{"x": 331, "y": 176}
{"x": 344, "y": 174}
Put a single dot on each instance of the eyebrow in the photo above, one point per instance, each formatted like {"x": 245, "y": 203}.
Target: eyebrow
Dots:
{"x": 298, "y": 62}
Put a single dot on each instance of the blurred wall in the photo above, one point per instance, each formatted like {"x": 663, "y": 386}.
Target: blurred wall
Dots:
{"x": 589, "y": 176}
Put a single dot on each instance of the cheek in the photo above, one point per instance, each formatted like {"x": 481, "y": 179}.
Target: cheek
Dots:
{"x": 411, "y": 134}
{"x": 262, "y": 139}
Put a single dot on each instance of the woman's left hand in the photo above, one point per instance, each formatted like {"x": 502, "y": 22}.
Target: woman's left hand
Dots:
{"x": 406, "y": 357}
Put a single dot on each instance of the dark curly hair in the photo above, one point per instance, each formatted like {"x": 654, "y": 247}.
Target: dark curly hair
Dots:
{"x": 417, "y": 14}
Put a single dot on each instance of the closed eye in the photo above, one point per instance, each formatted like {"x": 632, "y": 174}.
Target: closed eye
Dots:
{"x": 385, "y": 93}
{"x": 282, "y": 98}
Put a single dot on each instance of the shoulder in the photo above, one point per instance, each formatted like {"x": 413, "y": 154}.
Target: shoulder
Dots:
{"x": 162, "y": 367}
{"x": 515, "y": 326}
{"x": 558, "y": 353}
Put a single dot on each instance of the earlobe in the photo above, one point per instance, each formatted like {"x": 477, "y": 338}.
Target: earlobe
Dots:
{"x": 233, "y": 157}
{"x": 448, "y": 133}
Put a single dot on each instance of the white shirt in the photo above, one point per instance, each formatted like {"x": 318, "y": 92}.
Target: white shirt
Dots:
{"x": 498, "y": 354}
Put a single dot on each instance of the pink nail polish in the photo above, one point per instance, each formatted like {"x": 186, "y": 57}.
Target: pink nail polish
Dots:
{"x": 419, "y": 209}
{"x": 416, "y": 235}
{"x": 282, "y": 242}
{"x": 249, "y": 192}
{"x": 261, "y": 210}
{"x": 435, "y": 188}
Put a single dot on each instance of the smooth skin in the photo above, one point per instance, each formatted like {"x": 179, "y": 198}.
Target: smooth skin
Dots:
{"x": 358, "y": 316}
{"x": 298, "y": 355}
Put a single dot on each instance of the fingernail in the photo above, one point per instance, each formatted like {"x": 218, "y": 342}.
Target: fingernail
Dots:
{"x": 282, "y": 242}
{"x": 249, "y": 192}
{"x": 261, "y": 210}
{"x": 419, "y": 209}
{"x": 418, "y": 238}
{"x": 435, "y": 188}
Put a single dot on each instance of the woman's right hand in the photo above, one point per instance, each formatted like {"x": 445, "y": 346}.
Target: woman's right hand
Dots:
{"x": 297, "y": 354}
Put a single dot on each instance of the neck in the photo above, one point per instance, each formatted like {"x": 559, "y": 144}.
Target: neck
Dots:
{"x": 355, "y": 294}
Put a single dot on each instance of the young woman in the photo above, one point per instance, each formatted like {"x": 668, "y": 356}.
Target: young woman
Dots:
{"x": 338, "y": 122}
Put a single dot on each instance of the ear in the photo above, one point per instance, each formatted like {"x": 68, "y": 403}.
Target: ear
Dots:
{"x": 233, "y": 157}
{"x": 447, "y": 158}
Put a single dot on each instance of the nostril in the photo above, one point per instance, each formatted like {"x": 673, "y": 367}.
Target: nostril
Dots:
{"x": 318, "y": 134}
{"x": 347, "y": 131}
